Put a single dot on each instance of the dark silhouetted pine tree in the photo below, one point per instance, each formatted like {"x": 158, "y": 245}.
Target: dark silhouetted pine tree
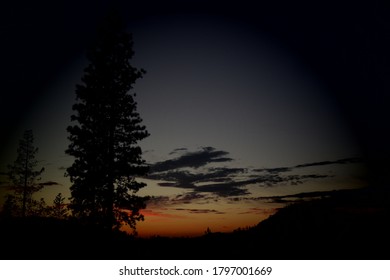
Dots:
{"x": 104, "y": 139}
{"x": 59, "y": 209}
{"x": 24, "y": 176}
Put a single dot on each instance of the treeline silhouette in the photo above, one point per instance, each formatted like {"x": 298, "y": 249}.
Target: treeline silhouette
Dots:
{"x": 350, "y": 224}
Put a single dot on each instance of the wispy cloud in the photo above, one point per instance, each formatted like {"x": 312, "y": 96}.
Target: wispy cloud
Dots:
{"x": 277, "y": 170}
{"x": 49, "y": 183}
{"x": 291, "y": 197}
{"x": 231, "y": 186}
{"x": 175, "y": 151}
{"x": 180, "y": 199}
{"x": 321, "y": 163}
{"x": 238, "y": 188}
{"x": 274, "y": 170}
{"x": 192, "y": 159}
{"x": 200, "y": 211}
{"x": 184, "y": 172}
{"x": 188, "y": 179}
{"x": 188, "y": 198}
{"x": 224, "y": 189}
{"x": 157, "y": 201}
{"x": 260, "y": 211}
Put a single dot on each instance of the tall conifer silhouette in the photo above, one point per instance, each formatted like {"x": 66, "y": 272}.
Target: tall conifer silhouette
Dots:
{"x": 105, "y": 134}
{"x": 24, "y": 175}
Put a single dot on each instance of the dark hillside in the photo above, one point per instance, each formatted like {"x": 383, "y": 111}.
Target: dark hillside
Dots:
{"x": 351, "y": 224}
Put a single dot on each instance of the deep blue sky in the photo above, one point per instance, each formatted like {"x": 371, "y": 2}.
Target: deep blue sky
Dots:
{"x": 264, "y": 85}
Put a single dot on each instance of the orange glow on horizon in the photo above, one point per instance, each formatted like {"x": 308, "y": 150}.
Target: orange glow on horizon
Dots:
{"x": 170, "y": 223}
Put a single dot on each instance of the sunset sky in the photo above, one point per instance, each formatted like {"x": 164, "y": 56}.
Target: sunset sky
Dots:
{"x": 247, "y": 104}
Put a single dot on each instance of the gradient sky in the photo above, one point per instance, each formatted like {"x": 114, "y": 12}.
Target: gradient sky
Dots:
{"x": 242, "y": 102}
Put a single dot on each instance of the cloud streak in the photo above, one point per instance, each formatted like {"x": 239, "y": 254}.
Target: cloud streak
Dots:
{"x": 321, "y": 163}
{"x": 184, "y": 172}
{"x": 293, "y": 197}
{"x": 192, "y": 159}
{"x": 49, "y": 183}
{"x": 200, "y": 211}
{"x": 278, "y": 170}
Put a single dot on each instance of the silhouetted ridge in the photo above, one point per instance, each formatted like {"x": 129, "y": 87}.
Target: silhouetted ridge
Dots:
{"x": 350, "y": 224}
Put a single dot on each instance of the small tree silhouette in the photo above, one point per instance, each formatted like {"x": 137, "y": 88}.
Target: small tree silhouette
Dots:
{"x": 59, "y": 209}
{"x": 104, "y": 138}
{"x": 208, "y": 231}
{"x": 24, "y": 175}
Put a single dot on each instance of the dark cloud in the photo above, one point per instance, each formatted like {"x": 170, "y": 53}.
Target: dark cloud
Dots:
{"x": 305, "y": 195}
{"x": 273, "y": 170}
{"x": 188, "y": 180}
{"x": 289, "y": 198}
{"x": 225, "y": 189}
{"x": 49, "y": 183}
{"x": 158, "y": 200}
{"x": 218, "y": 180}
{"x": 167, "y": 184}
{"x": 181, "y": 179}
{"x": 188, "y": 197}
{"x": 228, "y": 186}
{"x": 192, "y": 159}
{"x": 260, "y": 211}
{"x": 220, "y": 174}
{"x": 300, "y": 179}
{"x": 231, "y": 187}
{"x": 321, "y": 163}
{"x": 200, "y": 211}
{"x": 277, "y": 170}
{"x": 182, "y": 172}
{"x": 178, "y": 150}
{"x": 314, "y": 176}
{"x": 237, "y": 188}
